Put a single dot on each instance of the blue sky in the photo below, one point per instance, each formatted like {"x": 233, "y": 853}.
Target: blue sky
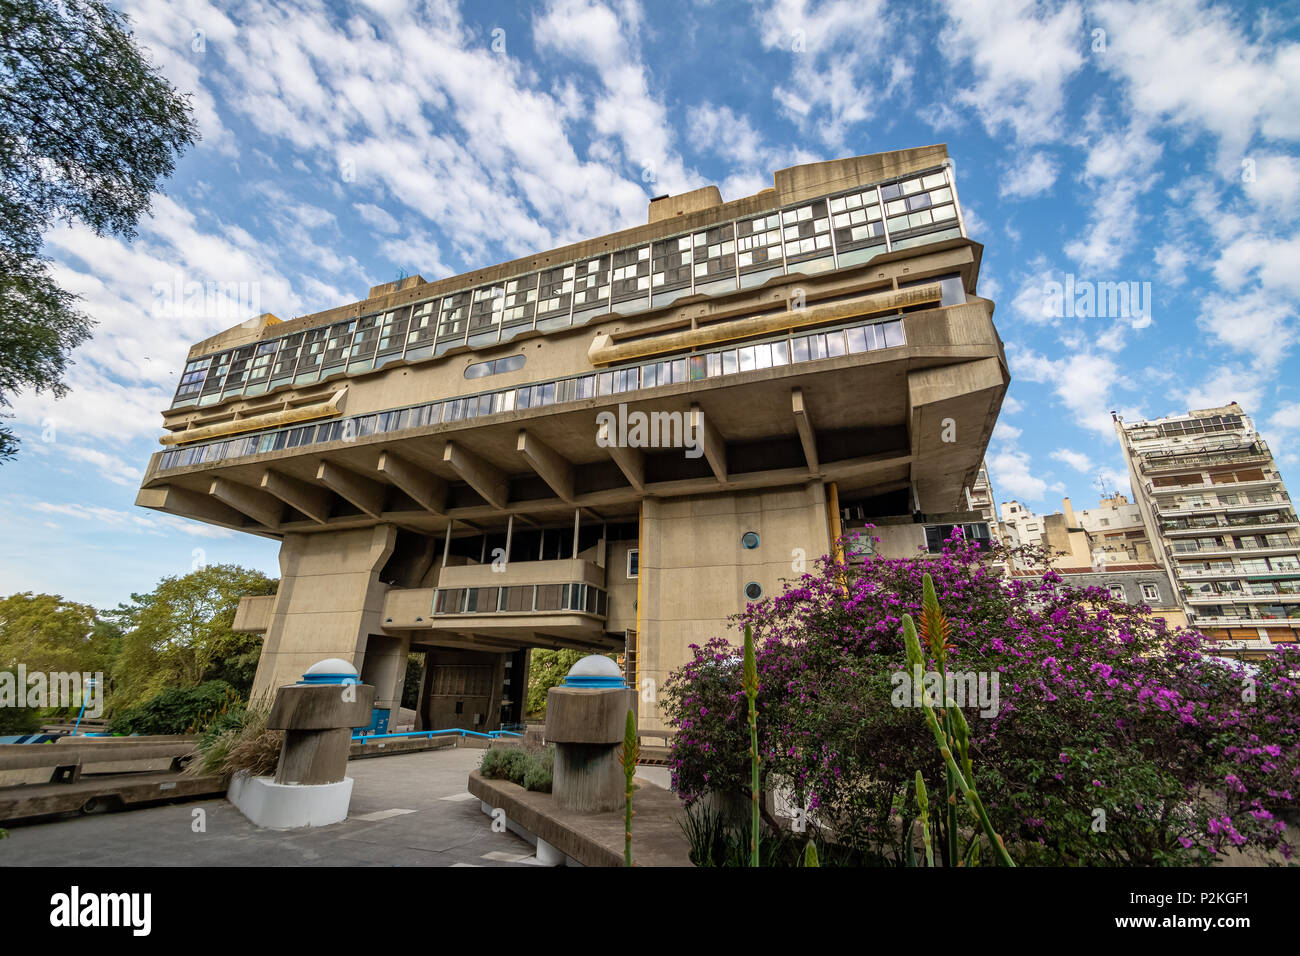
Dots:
{"x": 343, "y": 145}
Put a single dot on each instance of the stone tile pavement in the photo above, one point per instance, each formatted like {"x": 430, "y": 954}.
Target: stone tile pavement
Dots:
{"x": 407, "y": 810}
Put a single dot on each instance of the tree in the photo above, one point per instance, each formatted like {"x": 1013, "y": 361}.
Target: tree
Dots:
{"x": 88, "y": 132}
{"x": 45, "y": 633}
{"x": 179, "y": 634}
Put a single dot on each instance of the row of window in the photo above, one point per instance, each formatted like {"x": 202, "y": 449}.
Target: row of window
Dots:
{"x": 813, "y": 237}
{"x": 521, "y": 598}
{"x": 695, "y": 367}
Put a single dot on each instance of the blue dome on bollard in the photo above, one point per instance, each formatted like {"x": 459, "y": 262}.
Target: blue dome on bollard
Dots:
{"x": 332, "y": 670}
{"x": 595, "y": 670}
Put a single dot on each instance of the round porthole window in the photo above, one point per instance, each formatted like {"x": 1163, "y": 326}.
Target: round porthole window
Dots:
{"x": 749, "y": 540}
{"x": 753, "y": 590}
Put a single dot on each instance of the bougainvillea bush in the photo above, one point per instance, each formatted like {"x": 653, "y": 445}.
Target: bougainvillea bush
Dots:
{"x": 1116, "y": 740}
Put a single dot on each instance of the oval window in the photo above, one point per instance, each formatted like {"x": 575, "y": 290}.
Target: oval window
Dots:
{"x": 753, "y": 590}
{"x": 749, "y": 540}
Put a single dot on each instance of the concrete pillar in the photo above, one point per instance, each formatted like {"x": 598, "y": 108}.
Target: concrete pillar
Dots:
{"x": 586, "y": 724}
{"x": 329, "y": 603}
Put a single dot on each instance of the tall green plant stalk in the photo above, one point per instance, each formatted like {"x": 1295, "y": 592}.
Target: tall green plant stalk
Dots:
{"x": 961, "y": 740}
{"x": 923, "y": 804}
{"x": 934, "y": 628}
{"x": 751, "y": 694}
{"x": 627, "y": 756}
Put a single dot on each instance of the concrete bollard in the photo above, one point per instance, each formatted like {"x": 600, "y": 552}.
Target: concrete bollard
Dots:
{"x": 311, "y": 787}
{"x": 317, "y": 716}
{"x": 585, "y": 719}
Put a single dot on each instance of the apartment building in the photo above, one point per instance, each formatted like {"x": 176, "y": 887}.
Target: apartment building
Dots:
{"x": 1220, "y": 519}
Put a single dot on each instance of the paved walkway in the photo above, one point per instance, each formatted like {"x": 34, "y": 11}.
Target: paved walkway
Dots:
{"x": 409, "y": 810}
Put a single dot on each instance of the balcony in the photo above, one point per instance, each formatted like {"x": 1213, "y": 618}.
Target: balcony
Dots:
{"x": 1228, "y": 487}
{"x": 1253, "y": 453}
{"x": 525, "y": 603}
{"x": 1246, "y": 593}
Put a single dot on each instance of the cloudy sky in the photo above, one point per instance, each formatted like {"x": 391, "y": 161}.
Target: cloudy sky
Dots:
{"x": 344, "y": 145}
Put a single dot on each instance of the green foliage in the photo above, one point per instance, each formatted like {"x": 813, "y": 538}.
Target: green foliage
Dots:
{"x": 547, "y": 669}
{"x": 627, "y": 756}
{"x": 15, "y": 721}
{"x": 749, "y": 681}
{"x": 719, "y": 839}
{"x": 47, "y": 633}
{"x": 951, "y": 734}
{"x": 706, "y": 831}
{"x": 88, "y": 132}
{"x": 810, "y": 855}
{"x": 239, "y": 740}
{"x": 179, "y": 635}
{"x": 530, "y": 769}
{"x": 181, "y": 710}
{"x": 411, "y": 683}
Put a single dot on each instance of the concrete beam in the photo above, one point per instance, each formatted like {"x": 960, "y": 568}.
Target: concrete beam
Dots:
{"x": 263, "y": 508}
{"x": 185, "y": 503}
{"x": 425, "y": 488}
{"x": 554, "y": 468}
{"x": 807, "y": 434}
{"x": 715, "y": 448}
{"x": 366, "y": 494}
{"x": 484, "y": 477}
{"x": 312, "y": 501}
{"x": 629, "y": 460}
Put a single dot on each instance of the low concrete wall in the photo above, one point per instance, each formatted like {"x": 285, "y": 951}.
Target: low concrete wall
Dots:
{"x": 594, "y": 839}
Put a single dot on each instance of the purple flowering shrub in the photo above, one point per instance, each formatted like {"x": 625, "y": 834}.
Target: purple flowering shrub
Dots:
{"x": 1117, "y": 740}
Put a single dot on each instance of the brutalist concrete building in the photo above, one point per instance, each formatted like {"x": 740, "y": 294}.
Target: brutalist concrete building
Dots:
{"x": 613, "y": 445}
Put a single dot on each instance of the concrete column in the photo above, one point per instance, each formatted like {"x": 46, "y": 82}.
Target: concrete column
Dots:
{"x": 329, "y": 602}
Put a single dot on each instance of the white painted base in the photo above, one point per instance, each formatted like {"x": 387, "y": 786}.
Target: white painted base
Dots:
{"x": 278, "y": 806}
{"x": 548, "y": 855}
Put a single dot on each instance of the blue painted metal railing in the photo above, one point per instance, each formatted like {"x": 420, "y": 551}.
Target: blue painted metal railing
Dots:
{"x": 430, "y": 734}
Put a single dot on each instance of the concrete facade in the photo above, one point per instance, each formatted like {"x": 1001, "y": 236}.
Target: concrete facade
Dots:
{"x": 455, "y": 469}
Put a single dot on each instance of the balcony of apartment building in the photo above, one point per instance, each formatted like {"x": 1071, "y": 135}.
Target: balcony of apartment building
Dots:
{"x": 1155, "y": 464}
{"x": 1226, "y": 503}
{"x": 1239, "y": 521}
{"x": 1207, "y": 593}
{"x": 1227, "y": 545}
{"x": 1200, "y": 484}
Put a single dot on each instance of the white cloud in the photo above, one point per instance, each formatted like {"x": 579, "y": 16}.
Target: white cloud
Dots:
{"x": 1256, "y": 323}
{"x": 847, "y": 58}
{"x": 1223, "y": 385}
{"x": 1189, "y": 64}
{"x": 1022, "y": 56}
{"x": 1011, "y": 472}
{"x": 1083, "y": 382}
{"x": 1076, "y": 460}
{"x": 378, "y": 219}
{"x": 1034, "y": 174}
